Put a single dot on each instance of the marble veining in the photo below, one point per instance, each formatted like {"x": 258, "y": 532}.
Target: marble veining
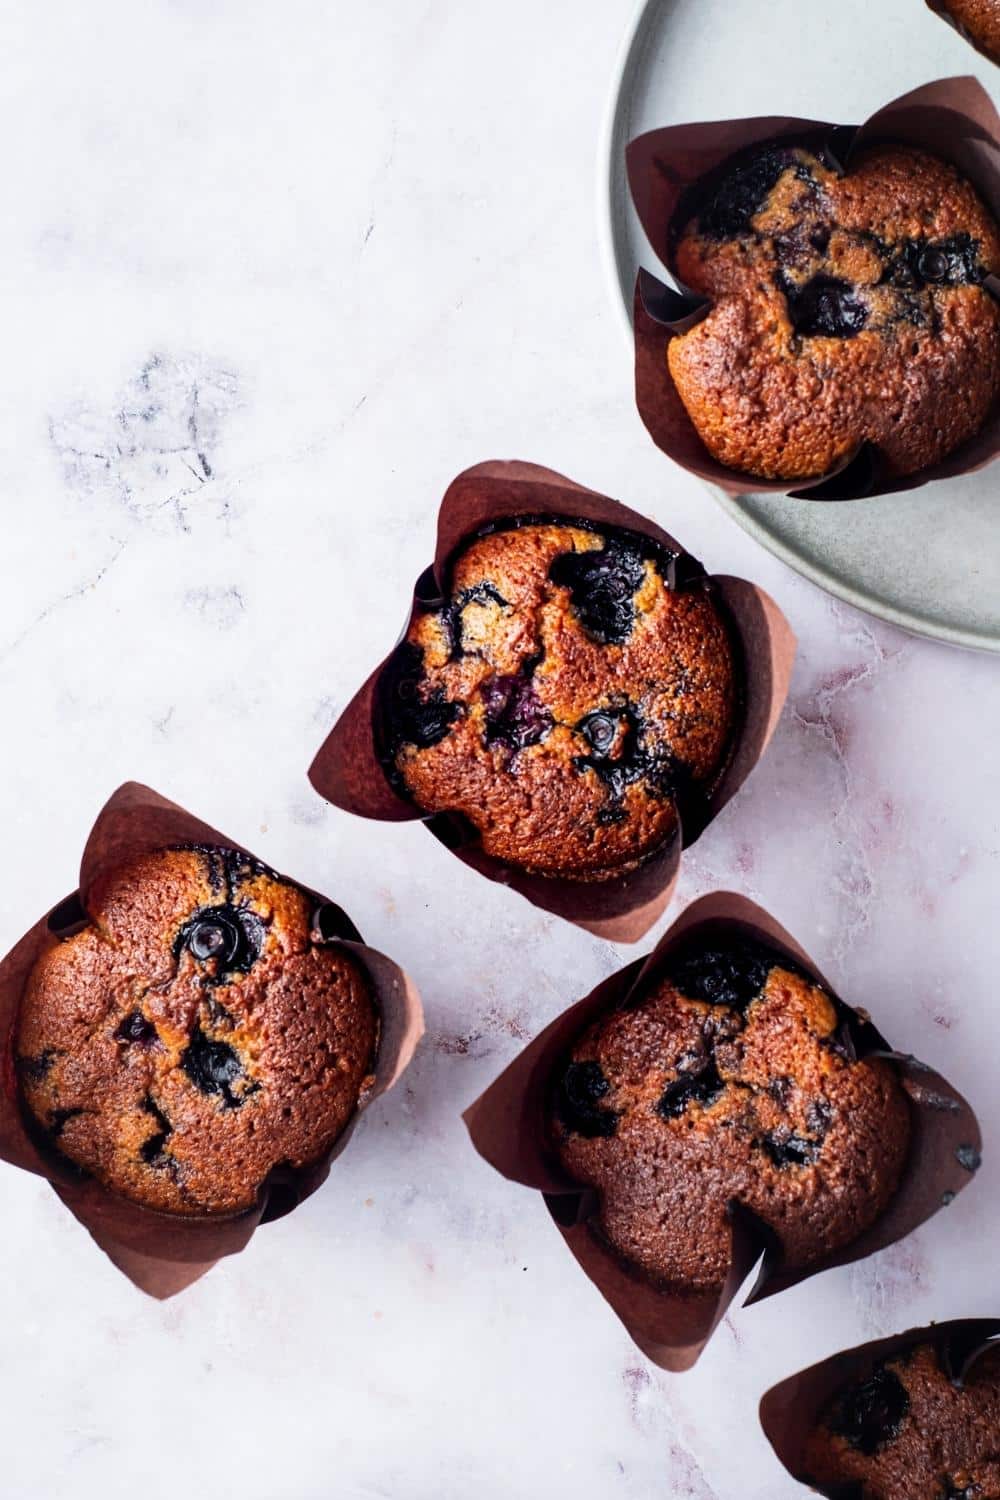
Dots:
{"x": 271, "y": 276}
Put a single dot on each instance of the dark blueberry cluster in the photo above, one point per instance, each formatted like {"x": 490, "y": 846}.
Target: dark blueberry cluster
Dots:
{"x": 602, "y": 586}
{"x": 785, "y": 1148}
{"x": 213, "y": 1067}
{"x": 59, "y": 1118}
{"x": 733, "y": 975}
{"x": 695, "y": 1085}
{"x": 34, "y": 1069}
{"x": 825, "y": 306}
{"x": 619, "y": 754}
{"x": 152, "y": 1149}
{"x": 136, "y": 1029}
{"x": 414, "y": 719}
{"x": 741, "y": 188}
{"x": 515, "y": 715}
{"x": 578, "y": 1096}
{"x": 870, "y": 1415}
{"x": 914, "y": 264}
{"x": 480, "y": 593}
{"x": 229, "y": 937}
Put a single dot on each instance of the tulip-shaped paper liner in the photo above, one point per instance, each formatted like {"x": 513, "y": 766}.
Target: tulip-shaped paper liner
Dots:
{"x": 940, "y": 8}
{"x": 953, "y": 119}
{"x": 160, "y": 1252}
{"x": 348, "y": 770}
{"x": 790, "y": 1411}
{"x": 508, "y": 1126}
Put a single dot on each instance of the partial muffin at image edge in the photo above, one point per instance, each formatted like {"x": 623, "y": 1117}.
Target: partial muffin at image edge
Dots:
{"x": 911, "y": 1417}
{"x": 565, "y": 698}
{"x": 573, "y": 701}
{"x": 191, "y": 1037}
{"x": 713, "y": 1110}
{"x": 732, "y": 1079}
{"x": 839, "y": 286}
{"x": 977, "y": 20}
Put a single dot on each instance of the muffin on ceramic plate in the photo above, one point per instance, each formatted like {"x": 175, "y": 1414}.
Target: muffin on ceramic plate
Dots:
{"x": 833, "y": 331}
{"x": 566, "y": 698}
{"x": 848, "y": 308}
{"x": 732, "y": 1078}
{"x": 195, "y": 1034}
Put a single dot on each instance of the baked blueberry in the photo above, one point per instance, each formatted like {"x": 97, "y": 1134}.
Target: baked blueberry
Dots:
{"x": 191, "y": 1037}
{"x": 833, "y": 327}
{"x": 594, "y": 690}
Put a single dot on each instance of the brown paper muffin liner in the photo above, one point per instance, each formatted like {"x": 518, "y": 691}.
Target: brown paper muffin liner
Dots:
{"x": 940, "y": 8}
{"x": 347, "y": 770}
{"x": 163, "y": 1253}
{"x": 953, "y": 119}
{"x": 508, "y": 1127}
{"x": 789, "y": 1411}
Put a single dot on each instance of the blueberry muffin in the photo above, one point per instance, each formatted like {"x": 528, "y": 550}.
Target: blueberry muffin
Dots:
{"x": 979, "y": 20}
{"x": 908, "y": 1432}
{"x": 846, "y": 309}
{"x": 569, "y": 692}
{"x": 733, "y": 1079}
{"x": 191, "y": 1037}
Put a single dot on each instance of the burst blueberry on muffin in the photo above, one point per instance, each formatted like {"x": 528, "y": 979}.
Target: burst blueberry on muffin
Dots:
{"x": 731, "y": 1080}
{"x": 192, "y": 1036}
{"x": 909, "y": 1432}
{"x": 846, "y": 309}
{"x": 568, "y": 694}
{"x": 979, "y": 20}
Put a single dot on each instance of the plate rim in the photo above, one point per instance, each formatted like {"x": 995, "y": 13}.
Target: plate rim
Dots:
{"x": 610, "y": 157}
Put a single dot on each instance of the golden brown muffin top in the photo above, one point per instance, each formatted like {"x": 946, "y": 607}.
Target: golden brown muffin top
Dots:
{"x": 192, "y": 1037}
{"x": 908, "y": 1432}
{"x": 846, "y": 309}
{"x": 563, "y": 697}
{"x": 731, "y": 1079}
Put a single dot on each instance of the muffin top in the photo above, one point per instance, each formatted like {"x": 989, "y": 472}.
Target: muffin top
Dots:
{"x": 567, "y": 695}
{"x": 731, "y": 1079}
{"x": 909, "y": 1433}
{"x": 191, "y": 1036}
{"x": 846, "y": 309}
{"x": 980, "y": 20}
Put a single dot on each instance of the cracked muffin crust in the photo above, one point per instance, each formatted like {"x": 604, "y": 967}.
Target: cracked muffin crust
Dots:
{"x": 909, "y": 1433}
{"x": 979, "y": 20}
{"x": 846, "y": 309}
{"x": 567, "y": 694}
{"x": 192, "y": 1037}
{"x": 732, "y": 1079}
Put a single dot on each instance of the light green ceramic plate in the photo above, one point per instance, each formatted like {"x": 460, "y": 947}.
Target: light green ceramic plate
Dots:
{"x": 927, "y": 561}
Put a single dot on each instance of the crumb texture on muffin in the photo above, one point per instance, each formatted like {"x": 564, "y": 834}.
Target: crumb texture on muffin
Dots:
{"x": 907, "y": 1432}
{"x": 729, "y": 1080}
{"x": 192, "y": 1037}
{"x": 846, "y": 309}
{"x": 563, "y": 698}
{"x": 980, "y": 21}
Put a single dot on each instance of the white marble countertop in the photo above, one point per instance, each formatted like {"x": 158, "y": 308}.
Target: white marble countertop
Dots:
{"x": 271, "y": 275}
